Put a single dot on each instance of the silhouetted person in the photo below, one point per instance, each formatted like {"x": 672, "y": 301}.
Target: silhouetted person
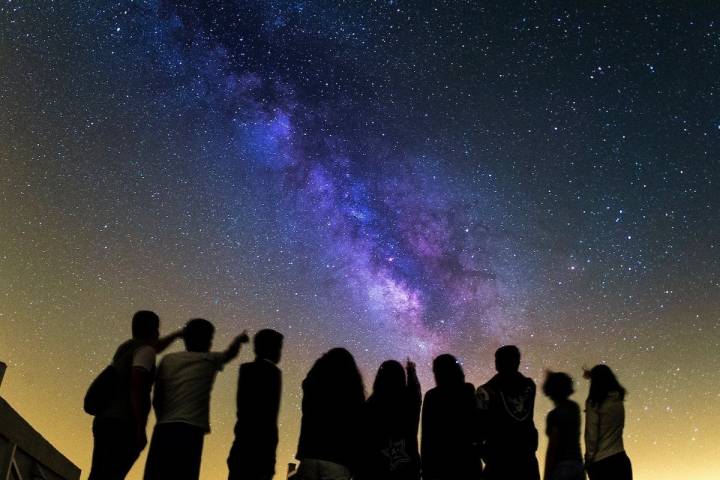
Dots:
{"x": 605, "y": 457}
{"x": 507, "y": 403}
{"x": 182, "y": 403}
{"x": 252, "y": 456}
{"x": 563, "y": 460}
{"x": 390, "y": 425}
{"x": 332, "y": 405}
{"x": 449, "y": 425}
{"x": 119, "y": 429}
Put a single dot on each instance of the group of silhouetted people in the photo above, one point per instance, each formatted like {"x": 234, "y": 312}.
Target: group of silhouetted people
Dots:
{"x": 119, "y": 398}
{"x": 467, "y": 433}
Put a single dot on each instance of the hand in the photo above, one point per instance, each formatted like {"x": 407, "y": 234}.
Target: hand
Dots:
{"x": 243, "y": 337}
{"x": 409, "y": 364}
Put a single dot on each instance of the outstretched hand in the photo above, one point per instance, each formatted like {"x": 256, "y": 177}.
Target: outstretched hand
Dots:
{"x": 409, "y": 364}
{"x": 243, "y": 337}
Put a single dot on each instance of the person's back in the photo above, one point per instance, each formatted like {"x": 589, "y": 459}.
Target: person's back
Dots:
{"x": 449, "y": 425}
{"x": 330, "y": 429}
{"x": 119, "y": 428}
{"x": 131, "y": 353}
{"x": 391, "y": 420}
{"x": 565, "y": 417}
{"x": 605, "y": 455}
{"x": 182, "y": 403}
{"x": 563, "y": 459}
{"x": 507, "y": 404}
{"x": 252, "y": 456}
{"x": 183, "y": 386}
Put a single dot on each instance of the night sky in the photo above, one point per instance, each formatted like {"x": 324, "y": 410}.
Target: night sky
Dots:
{"x": 402, "y": 178}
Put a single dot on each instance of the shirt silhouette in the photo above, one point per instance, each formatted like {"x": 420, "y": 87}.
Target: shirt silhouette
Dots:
{"x": 252, "y": 456}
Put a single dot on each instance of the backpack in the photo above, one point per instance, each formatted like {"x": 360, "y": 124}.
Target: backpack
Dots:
{"x": 101, "y": 391}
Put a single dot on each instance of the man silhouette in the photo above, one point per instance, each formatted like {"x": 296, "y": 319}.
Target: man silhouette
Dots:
{"x": 506, "y": 404}
{"x": 119, "y": 429}
{"x": 252, "y": 456}
{"x": 182, "y": 403}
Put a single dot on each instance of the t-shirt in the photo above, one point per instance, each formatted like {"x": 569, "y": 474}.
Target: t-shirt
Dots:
{"x": 183, "y": 385}
{"x": 144, "y": 357}
{"x": 565, "y": 418}
{"x": 132, "y": 353}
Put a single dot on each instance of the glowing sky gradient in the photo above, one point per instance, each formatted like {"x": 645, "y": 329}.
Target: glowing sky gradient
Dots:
{"x": 400, "y": 178}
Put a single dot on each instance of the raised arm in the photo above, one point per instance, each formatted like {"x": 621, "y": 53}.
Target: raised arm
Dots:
{"x": 414, "y": 395}
{"x": 162, "y": 343}
{"x": 234, "y": 347}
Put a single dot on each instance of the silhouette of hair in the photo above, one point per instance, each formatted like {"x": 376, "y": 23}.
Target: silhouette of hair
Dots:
{"x": 602, "y": 382}
{"x": 268, "y": 343}
{"x": 390, "y": 379}
{"x": 558, "y": 386}
{"x": 448, "y": 371}
{"x": 198, "y": 334}
{"x": 507, "y": 359}
{"x": 336, "y": 369}
{"x": 145, "y": 324}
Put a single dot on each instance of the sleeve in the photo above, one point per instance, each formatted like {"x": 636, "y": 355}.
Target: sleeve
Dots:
{"x": 144, "y": 357}
{"x": 592, "y": 432}
{"x": 217, "y": 359}
{"x": 482, "y": 396}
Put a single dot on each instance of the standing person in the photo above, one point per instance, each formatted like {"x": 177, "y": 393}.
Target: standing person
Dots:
{"x": 390, "y": 424}
{"x": 252, "y": 456}
{"x": 449, "y": 446}
{"x": 563, "y": 460}
{"x": 119, "y": 428}
{"x": 605, "y": 457}
{"x": 507, "y": 404}
{"x": 182, "y": 403}
{"x": 332, "y": 405}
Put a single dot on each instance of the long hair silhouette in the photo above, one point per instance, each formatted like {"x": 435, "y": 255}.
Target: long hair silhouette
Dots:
{"x": 602, "y": 382}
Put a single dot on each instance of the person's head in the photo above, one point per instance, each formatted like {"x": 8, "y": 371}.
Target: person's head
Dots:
{"x": 507, "y": 359}
{"x": 336, "y": 371}
{"x": 268, "y": 344}
{"x": 198, "y": 335}
{"x": 390, "y": 379}
{"x": 146, "y": 326}
{"x": 558, "y": 386}
{"x": 602, "y": 382}
{"x": 448, "y": 371}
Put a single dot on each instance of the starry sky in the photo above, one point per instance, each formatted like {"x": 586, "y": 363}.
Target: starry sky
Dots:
{"x": 402, "y": 178}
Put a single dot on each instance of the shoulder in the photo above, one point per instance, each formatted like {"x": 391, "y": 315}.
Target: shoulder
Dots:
{"x": 613, "y": 402}
{"x": 431, "y": 394}
{"x": 144, "y": 357}
{"x": 217, "y": 359}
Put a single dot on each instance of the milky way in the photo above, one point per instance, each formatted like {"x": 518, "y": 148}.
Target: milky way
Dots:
{"x": 417, "y": 251}
{"x": 398, "y": 178}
